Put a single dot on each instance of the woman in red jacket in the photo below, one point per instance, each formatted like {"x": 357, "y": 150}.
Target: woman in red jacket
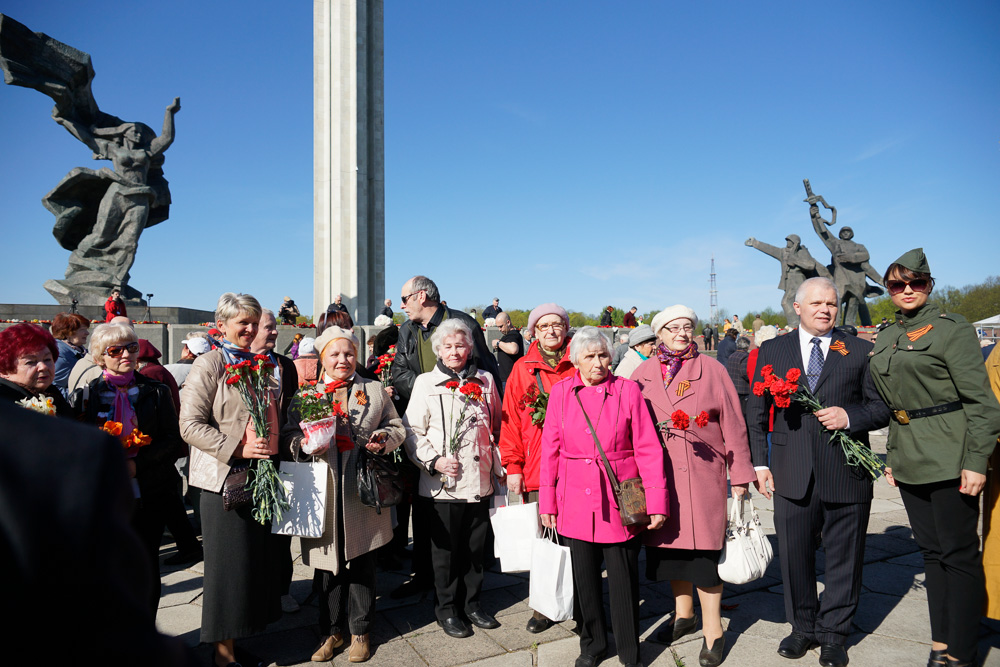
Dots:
{"x": 114, "y": 306}
{"x": 525, "y": 397}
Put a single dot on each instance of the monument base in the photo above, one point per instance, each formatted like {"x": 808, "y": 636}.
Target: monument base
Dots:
{"x": 90, "y": 295}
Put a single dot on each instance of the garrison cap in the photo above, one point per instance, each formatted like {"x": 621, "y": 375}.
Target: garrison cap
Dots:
{"x": 915, "y": 260}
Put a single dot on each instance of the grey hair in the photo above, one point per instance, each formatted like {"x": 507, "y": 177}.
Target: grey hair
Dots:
{"x": 765, "y": 333}
{"x": 451, "y": 327}
{"x": 800, "y": 293}
{"x": 742, "y": 343}
{"x": 586, "y": 339}
{"x": 267, "y": 311}
{"x": 231, "y": 305}
{"x": 106, "y": 335}
{"x": 425, "y": 284}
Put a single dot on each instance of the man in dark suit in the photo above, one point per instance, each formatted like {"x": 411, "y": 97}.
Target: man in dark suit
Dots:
{"x": 816, "y": 492}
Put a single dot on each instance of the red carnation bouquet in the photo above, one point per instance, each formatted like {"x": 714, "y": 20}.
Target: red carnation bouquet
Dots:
{"x": 537, "y": 403}
{"x": 252, "y": 379}
{"x": 385, "y": 365}
{"x": 680, "y": 421}
{"x": 320, "y": 415}
{"x": 473, "y": 393}
{"x": 787, "y": 389}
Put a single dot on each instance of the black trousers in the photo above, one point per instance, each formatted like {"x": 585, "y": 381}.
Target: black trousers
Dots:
{"x": 944, "y": 525}
{"x": 458, "y": 536}
{"x": 798, "y": 524}
{"x": 347, "y": 599}
{"x": 622, "y": 560}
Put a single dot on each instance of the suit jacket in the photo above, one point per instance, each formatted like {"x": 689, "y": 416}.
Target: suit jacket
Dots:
{"x": 800, "y": 446}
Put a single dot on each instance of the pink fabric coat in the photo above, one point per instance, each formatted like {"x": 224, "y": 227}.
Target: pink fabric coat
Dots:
{"x": 573, "y": 483}
{"x": 697, "y": 458}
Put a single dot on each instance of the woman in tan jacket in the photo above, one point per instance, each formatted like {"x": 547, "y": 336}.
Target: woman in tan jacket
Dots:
{"x": 454, "y": 420}
{"x": 344, "y": 557}
{"x": 242, "y": 560}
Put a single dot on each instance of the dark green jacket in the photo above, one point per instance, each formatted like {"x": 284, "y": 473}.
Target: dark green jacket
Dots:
{"x": 939, "y": 362}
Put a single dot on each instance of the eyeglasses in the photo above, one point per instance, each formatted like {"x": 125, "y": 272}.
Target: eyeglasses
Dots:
{"x": 557, "y": 326}
{"x": 404, "y": 298}
{"x": 115, "y": 351}
{"x": 897, "y": 286}
{"x": 676, "y": 330}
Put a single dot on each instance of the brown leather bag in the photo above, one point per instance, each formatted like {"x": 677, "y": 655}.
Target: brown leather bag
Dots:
{"x": 629, "y": 493}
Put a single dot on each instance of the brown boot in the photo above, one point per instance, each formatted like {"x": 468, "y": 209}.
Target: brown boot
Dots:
{"x": 360, "y": 651}
{"x": 327, "y": 648}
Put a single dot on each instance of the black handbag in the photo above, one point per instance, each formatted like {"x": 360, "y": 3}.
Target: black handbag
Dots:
{"x": 235, "y": 493}
{"x": 380, "y": 483}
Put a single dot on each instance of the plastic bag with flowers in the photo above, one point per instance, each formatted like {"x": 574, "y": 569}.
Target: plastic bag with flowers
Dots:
{"x": 320, "y": 415}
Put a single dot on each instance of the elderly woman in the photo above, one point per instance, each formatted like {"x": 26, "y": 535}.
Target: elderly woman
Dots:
{"x": 242, "y": 587}
{"x": 929, "y": 370}
{"x": 641, "y": 342}
{"x": 70, "y": 331}
{"x": 686, "y": 550}
{"x": 307, "y": 363}
{"x": 576, "y": 498}
{"x": 454, "y": 417}
{"x": 121, "y": 395}
{"x": 344, "y": 556}
{"x": 528, "y": 386}
{"x": 28, "y": 355}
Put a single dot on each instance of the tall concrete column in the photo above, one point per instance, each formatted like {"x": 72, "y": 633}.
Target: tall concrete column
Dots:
{"x": 348, "y": 156}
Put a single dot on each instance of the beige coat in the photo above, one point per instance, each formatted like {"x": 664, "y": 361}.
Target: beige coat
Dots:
{"x": 429, "y": 417}
{"x": 364, "y": 529}
{"x": 213, "y": 420}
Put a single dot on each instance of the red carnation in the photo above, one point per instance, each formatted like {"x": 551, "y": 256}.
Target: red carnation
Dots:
{"x": 758, "y": 388}
{"x": 232, "y": 379}
{"x": 472, "y": 390}
{"x": 681, "y": 420}
{"x": 261, "y": 357}
{"x": 767, "y": 370}
{"x": 702, "y": 419}
{"x": 782, "y": 401}
{"x": 793, "y": 375}
{"x": 453, "y": 385}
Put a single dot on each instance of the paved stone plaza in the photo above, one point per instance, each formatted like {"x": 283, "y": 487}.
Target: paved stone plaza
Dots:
{"x": 890, "y": 628}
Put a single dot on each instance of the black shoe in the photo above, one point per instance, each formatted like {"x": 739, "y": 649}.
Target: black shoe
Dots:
{"x": 481, "y": 619}
{"x": 411, "y": 587}
{"x": 588, "y": 660}
{"x": 677, "y": 629}
{"x": 539, "y": 623}
{"x": 455, "y": 627}
{"x": 938, "y": 658}
{"x": 795, "y": 646}
{"x": 185, "y": 557}
{"x": 712, "y": 657}
{"x": 832, "y": 655}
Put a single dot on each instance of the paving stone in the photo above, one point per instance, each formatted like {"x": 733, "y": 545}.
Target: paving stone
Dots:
{"x": 413, "y": 619}
{"x": 895, "y": 579}
{"x": 440, "y": 650}
{"x": 513, "y": 636}
{"x": 741, "y": 650}
{"x": 913, "y": 560}
{"x": 182, "y": 621}
{"x": 180, "y": 587}
{"x": 892, "y": 616}
{"x": 761, "y": 614}
{"x": 865, "y": 649}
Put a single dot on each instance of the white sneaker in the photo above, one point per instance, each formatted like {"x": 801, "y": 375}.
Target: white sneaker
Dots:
{"x": 289, "y": 605}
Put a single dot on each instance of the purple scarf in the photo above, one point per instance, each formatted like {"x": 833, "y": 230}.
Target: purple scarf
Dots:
{"x": 670, "y": 361}
{"x": 122, "y": 410}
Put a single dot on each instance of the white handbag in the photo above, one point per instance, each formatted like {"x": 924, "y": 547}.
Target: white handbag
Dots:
{"x": 306, "y": 514}
{"x": 746, "y": 552}
{"x": 550, "y": 589}
{"x": 515, "y": 528}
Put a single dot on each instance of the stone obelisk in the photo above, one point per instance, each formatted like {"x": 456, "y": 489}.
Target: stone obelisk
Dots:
{"x": 349, "y": 156}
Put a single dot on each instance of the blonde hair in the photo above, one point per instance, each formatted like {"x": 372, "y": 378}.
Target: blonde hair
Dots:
{"x": 232, "y": 305}
{"x": 105, "y": 336}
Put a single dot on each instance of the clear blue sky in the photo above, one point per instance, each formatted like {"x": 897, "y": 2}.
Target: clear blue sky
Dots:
{"x": 583, "y": 152}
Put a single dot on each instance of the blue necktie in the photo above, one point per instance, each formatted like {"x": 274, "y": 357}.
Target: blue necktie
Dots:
{"x": 815, "y": 364}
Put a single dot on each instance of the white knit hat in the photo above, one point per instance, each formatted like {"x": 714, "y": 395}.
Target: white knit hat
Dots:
{"x": 668, "y": 315}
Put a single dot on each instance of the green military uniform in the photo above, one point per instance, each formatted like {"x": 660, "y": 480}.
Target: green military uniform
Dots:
{"x": 926, "y": 360}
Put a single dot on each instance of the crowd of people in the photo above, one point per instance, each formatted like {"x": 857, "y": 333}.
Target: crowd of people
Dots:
{"x": 556, "y": 417}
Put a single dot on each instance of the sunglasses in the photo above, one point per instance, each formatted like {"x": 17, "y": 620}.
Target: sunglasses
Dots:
{"x": 115, "y": 351}
{"x": 404, "y": 298}
{"x": 897, "y": 286}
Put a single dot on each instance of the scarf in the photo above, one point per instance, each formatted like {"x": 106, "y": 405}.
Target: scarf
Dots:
{"x": 469, "y": 371}
{"x": 552, "y": 357}
{"x": 121, "y": 409}
{"x": 670, "y": 361}
{"x": 234, "y": 354}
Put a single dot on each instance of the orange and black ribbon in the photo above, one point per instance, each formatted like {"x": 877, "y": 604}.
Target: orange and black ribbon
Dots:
{"x": 917, "y": 333}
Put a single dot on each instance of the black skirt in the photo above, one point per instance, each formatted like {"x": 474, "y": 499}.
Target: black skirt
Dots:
{"x": 699, "y": 567}
{"x": 242, "y": 590}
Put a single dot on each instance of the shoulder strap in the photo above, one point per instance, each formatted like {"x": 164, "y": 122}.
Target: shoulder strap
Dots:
{"x": 538, "y": 379}
{"x": 593, "y": 433}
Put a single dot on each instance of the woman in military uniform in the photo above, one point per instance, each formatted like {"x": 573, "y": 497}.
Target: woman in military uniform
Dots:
{"x": 929, "y": 370}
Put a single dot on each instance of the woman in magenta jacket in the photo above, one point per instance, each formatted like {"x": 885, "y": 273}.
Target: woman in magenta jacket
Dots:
{"x": 575, "y": 495}
{"x": 685, "y": 551}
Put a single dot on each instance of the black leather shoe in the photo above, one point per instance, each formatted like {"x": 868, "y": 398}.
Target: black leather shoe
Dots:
{"x": 411, "y": 587}
{"x": 455, "y": 627}
{"x": 712, "y": 657}
{"x": 832, "y": 655}
{"x": 481, "y": 619}
{"x": 588, "y": 660}
{"x": 938, "y": 658}
{"x": 677, "y": 629}
{"x": 538, "y": 623}
{"x": 796, "y": 645}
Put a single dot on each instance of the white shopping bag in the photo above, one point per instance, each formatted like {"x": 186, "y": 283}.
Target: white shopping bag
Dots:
{"x": 306, "y": 484}
{"x": 746, "y": 552}
{"x": 499, "y": 497}
{"x": 550, "y": 591}
{"x": 515, "y": 528}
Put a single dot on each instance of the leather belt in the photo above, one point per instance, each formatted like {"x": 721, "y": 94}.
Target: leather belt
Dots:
{"x": 904, "y": 416}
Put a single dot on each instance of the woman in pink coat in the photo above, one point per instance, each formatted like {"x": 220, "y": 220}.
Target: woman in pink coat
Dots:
{"x": 679, "y": 384}
{"x": 575, "y": 495}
